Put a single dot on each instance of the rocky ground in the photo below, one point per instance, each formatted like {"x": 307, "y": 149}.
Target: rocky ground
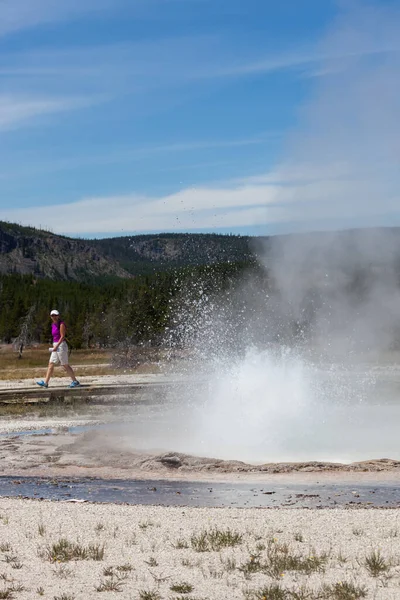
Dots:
{"x": 76, "y": 551}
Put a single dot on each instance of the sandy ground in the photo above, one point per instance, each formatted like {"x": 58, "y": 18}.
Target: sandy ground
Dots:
{"x": 153, "y": 553}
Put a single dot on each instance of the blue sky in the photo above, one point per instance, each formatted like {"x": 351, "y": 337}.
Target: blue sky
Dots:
{"x": 244, "y": 116}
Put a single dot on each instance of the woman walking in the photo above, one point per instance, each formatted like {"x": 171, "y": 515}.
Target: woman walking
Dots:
{"x": 59, "y": 351}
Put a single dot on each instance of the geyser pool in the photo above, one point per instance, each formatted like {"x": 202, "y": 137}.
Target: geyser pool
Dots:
{"x": 274, "y": 407}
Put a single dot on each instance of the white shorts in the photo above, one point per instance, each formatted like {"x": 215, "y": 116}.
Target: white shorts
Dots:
{"x": 60, "y": 357}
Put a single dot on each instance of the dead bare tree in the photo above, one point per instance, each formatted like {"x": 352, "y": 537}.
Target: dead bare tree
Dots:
{"x": 24, "y": 336}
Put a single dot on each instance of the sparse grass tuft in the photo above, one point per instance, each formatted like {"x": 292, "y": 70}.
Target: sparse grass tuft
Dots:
{"x": 199, "y": 542}
{"x": 151, "y": 562}
{"x": 280, "y": 559}
{"x": 358, "y": 531}
{"x": 375, "y": 564}
{"x": 185, "y": 562}
{"x": 40, "y": 591}
{"x": 146, "y": 524}
{"x": 268, "y": 592}
{"x": 215, "y": 573}
{"x": 112, "y": 584}
{"x": 64, "y": 597}
{"x": 277, "y": 592}
{"x": 182, "y": 588}
{"x": 62, "y": 571}
{"x": 8, "y": 592}
{"x": 180, "y": 544}
{"x": 126, "y": 568}
{"x": 219, "y": 539}
{"x": 215, "y": 539}
{"x": 99, "y": 527}
{"x": 228, "y": 563}
{"x": 252, "y": 565}
{"x": 260, "y": 547}
{"x": 149, "y": 595}
{"x": 298, "y": 537}
{"x": 64, "y": 550}
{"x": 159, "y": 579}
{"x": 41, "y": 529}
{"x": 95, "y": 551}
{"x": 131, "y": 541}
{"x": 344, "y": 590}
{"x": 121, "y": 572}
{"x": 187, "y": 598}
{"x": 303, "y": 594}
{"x": 13, "y": 561}
{"x": 5, "y": 547}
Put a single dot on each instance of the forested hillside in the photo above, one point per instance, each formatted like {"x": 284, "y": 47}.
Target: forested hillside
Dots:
{"x": 151, "y": 289}
{"x": 146, "y": 253}
{"x": 135, "y": 311}
{"x": 108, "y": 290}
{"x": 25, "y": 250}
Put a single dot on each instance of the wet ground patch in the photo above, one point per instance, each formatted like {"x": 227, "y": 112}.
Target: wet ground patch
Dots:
{"x": 203, "y": 494}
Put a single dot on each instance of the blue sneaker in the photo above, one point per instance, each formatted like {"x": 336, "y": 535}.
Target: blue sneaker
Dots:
{"x": 74, "y": 384}
{"x": 42, "y": 384}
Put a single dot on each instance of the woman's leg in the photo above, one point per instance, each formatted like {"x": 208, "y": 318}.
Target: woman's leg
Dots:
{"x": 49, "y": 374}
{"x": 70, "y": 372}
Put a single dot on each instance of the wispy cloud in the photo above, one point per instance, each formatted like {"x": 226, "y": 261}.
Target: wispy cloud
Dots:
{"x": 178, "y": 61}
{"x": 18, "y": 15}
{"x": 155, "y": 74}
{"x": 16, "y": 111}
{"x": 334, "y": 61}
{"x": 167, "y": 70}
{"x": 341, "y": 163}
{"x": 25, "y": 96}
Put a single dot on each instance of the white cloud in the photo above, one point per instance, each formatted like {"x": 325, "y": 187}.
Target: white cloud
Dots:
{"x": 237, "y": 205}
{"x": 187, "y": 209}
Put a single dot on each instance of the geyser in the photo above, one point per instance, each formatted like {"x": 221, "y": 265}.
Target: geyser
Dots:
{"x": 294, "y": 361}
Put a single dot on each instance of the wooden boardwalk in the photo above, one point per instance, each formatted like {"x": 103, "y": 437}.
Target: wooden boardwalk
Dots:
{"x": 36, "y": 395}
